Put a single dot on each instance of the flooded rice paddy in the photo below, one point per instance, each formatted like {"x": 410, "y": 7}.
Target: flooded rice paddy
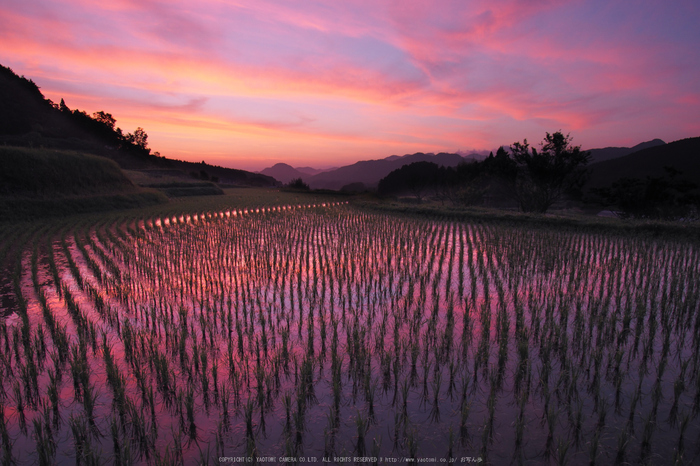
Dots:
{"x": 324, "y": 331}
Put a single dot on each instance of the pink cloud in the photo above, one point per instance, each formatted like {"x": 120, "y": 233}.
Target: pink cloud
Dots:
{"x": 324, "y": 77}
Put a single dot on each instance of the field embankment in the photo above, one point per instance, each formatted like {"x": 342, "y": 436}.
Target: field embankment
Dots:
{"x": 41, "y": 182}
{"x": 563, "y": 220}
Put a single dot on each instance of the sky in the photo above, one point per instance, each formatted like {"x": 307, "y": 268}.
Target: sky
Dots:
{"x": 322, "y": 83}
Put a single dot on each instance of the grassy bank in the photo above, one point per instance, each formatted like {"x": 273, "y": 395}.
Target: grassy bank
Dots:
{"x": 37, "y": 183}
{"x": 39, "y": 173}
{"x": 27, "y": 209}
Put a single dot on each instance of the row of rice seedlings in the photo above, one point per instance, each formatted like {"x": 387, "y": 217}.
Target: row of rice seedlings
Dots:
{"x": 72, "y": 266}
{"x": 44, "y": 430}
{"x": 92, "y": 264}
{"x": 23, "y": 347}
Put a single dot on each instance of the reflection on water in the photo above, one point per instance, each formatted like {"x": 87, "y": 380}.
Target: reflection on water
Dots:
{"x": 7, "y": 298}
{"x": 317, "y": 330}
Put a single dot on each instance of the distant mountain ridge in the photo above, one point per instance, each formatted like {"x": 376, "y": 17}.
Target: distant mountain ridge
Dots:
{"x": 314, "y": 171}
{"x": 284, "y": 172}
{"x": 367, "y": 172}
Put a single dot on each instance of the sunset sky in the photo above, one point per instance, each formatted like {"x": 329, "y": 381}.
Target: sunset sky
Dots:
{"x": 247, "y": 84}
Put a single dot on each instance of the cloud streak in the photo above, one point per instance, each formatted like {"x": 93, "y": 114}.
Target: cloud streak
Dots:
{"x": 326, "y": 83}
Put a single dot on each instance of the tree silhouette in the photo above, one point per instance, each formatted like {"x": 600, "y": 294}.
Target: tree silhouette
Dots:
{"x": 298, "y": 183}
{"x": 139, "y": 138}
{"x": 105, "y": 118}
{"x": 539, "y": 178}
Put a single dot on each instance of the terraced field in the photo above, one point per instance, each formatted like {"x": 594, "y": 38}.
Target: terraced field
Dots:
{"x": 318, "y": 329}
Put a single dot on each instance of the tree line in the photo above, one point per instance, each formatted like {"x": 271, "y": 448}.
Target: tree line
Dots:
{"x": 531, "y": 178}
{"x": 535, "y": 179}
{"x": 103, "y": 125}
{"x": 28, "y": 118}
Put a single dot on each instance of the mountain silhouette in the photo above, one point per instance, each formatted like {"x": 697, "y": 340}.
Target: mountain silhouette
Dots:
{"x": 369, "y": 172}
{"x": 284, "y": 172}
{"x": 609, "y": 153}
{"x": 683, "y": 155}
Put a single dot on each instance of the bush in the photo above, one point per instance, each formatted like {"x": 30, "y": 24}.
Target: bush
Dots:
{"x": 298, "y": 184}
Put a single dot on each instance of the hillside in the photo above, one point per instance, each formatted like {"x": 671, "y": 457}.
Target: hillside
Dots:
{"x": 609, "y": 153}
{"x": 222, "y": 175}
{"x": 42, "y": 173}
{"x": 40, "y": 182}
{"x": 683, "y": 155}
{"x": 28, "y": 119}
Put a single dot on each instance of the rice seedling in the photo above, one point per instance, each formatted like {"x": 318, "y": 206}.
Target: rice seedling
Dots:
{"x": 593, "y": 448}
{"x": 646, "y": 437}
{"x": 362, "y": 425}
{"x": 191, "y": 424}
{"x": 562, "y": 452}
{"x": 43, "y": 435}
{"x": 463, "y": 427}
{"x": 20, "y": 406}
{"x": 5, "y": 438}
{"x": 679, "y": 452}
{"x": 83, "y": 449}
{"x": 623, "y": 441}
{"x": 411, "y": 444}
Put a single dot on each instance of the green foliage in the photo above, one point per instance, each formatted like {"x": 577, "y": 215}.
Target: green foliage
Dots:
{"x": 21, "y": 99}
{"x": 138, "y": 139}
